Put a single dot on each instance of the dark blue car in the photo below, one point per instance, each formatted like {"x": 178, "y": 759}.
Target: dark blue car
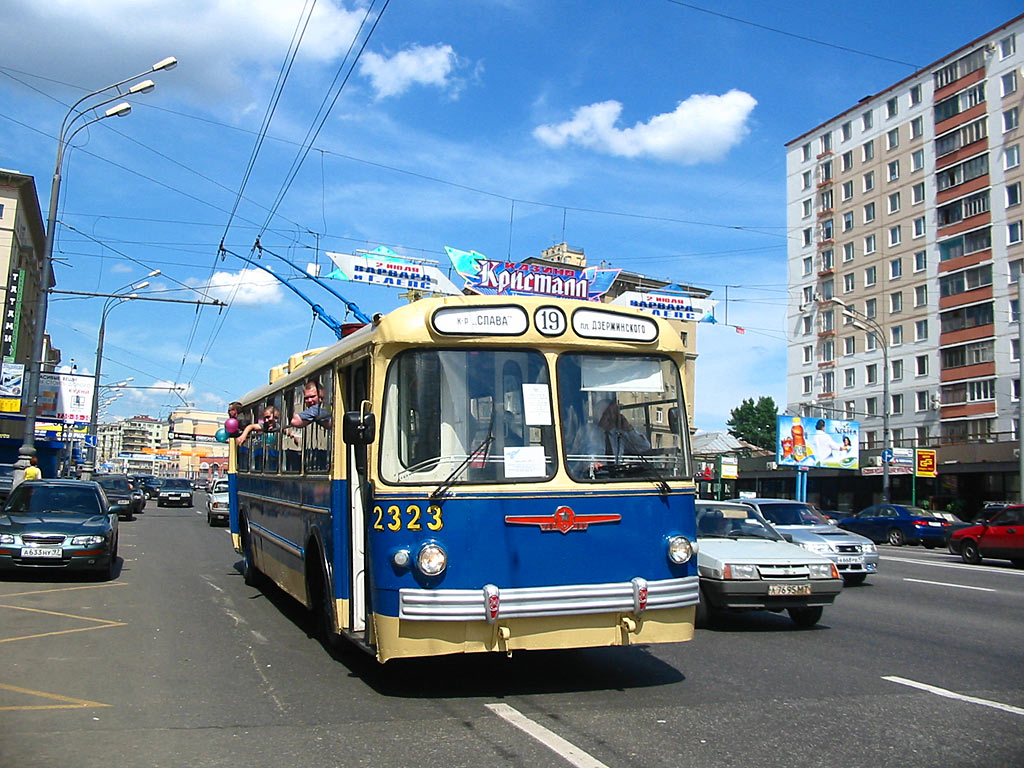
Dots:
{"x": 898, "y": 525}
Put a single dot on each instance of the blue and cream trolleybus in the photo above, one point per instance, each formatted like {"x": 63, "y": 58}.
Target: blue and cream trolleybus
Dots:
{"x": 475, "y": 473}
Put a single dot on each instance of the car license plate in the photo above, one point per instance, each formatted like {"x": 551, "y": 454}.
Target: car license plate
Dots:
{"x": 935, "y": 524}
{"x": 42, "y": 552}
{"x": 849, "y": 559}
{"x": 789, "y": 589}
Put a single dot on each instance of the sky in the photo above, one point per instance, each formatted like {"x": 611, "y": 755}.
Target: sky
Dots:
{"x": 649, "y": 133}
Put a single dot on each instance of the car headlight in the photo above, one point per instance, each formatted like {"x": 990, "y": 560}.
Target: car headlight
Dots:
{"x": 736, "y": 571}
{"x": 87, "y": 541}
{"x": 868, "y": 548}
{"x": 6, "y": 538}
{"x": 823, "y": 571}
{"x": 680, "y": 549}
{"x": 819, "y": 547}
{"x": 432, "y": 559}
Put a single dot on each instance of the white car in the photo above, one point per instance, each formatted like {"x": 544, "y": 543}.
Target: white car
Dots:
{"x": 217, "y": 503}
{"x": 745, "y": 564}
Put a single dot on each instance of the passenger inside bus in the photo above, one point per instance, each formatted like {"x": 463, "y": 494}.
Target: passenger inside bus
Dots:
{"x": 313, "y": 401}
{"x": 269, "y": 423}
{"x": 612, "y": 436}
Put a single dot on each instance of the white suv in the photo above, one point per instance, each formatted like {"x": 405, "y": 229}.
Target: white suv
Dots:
{"x": 745, "y": 564}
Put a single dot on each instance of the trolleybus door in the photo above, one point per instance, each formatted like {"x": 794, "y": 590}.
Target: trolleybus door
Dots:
{"x": 357, "y": 485}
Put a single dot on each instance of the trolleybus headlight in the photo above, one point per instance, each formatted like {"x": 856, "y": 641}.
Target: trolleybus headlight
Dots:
{"x": 401, "y": 558}
{"x": 431, "y": 559}
{"x": 680, "y": 549}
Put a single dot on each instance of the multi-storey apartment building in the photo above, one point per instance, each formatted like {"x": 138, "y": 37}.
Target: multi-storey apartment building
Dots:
{"x": 135, "y": 445}
{"x": 907, "y": 209}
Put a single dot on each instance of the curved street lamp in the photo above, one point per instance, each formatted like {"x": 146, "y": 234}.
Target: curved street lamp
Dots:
{"x": 865, "y": 323}
{"x": 68, "y": 130}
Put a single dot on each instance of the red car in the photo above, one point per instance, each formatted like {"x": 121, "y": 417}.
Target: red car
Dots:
{"x": 1000, "y": 537}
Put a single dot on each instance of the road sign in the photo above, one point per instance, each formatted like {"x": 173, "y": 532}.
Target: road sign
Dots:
{"x": 90, "y": 441}
{"x": 887, "y": 455}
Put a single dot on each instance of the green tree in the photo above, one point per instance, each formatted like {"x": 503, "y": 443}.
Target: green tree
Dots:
{"x": 754, "y": 422}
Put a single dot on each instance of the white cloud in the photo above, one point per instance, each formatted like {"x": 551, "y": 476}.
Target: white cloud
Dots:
{"x": 245, "y": 287}
{"x": 703, "y": 128}
{"x": 416, "y": 65}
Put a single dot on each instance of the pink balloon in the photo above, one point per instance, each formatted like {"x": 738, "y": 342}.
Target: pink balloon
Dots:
{"x": 231, "y": 425}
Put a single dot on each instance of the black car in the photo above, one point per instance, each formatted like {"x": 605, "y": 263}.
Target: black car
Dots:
{"x": 119, "y": 494}
{"x": 59, "y": 524}
{"x": 176, "y": 491}
{"x": 150, "y": 485}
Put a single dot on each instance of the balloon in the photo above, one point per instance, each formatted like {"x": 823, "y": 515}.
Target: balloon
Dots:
{"x": 222, "y": 435}
{"x": 231, "y": 425}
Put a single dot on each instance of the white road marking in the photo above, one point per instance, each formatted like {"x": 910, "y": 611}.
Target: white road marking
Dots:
{"x": 944, "y": 584}
{"x": 565, "y": 749}
{"x": 958, "y": 696}
{"x": 963, "y": 566}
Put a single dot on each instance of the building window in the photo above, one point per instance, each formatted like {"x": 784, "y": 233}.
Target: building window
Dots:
{"x": 849, "y": 378}
{"x": 827, "y": 289}
{"x": 897, "y": 370}
{"x": 892, "y": 107}
{"x": 1014, "y": 350}
{"x": 1013, "y": 194}
{"x": 867, "y": 151}
{"x": 1013, "y": 233}
{"x": 806, "y": 149}
{"x": 966, "y": 317}
{"x": 892, "y": 139}
{"x": 806, "y": 179}
{"x": 961, "y": 137}
{"x": 921, "y": 365}
{"x": 828, "y": 382}
{"x": 869, "y": 244}
{"x": 920, "y": 330}
{"x": 807, "y": 207}
{"x": 825, "y": 171}
{"x": 825, "y": 142}
{"x": 808, "y": 294}
{"x": 915, "y": 94}
{"x": 847, "y": 252}
{"x": 869, "y": 181}
{"x": 897, "y": 404}
{"x": 895, "y": 302}
{"x": 894, "y": 235}
{"x": 850, "y": 410}
{"x": 965, "y": 171}
{"x": 965, "y": 280}
{"x": 870, "y": 276}
{"x": 847, "y": 190}
{"x": 848, "y": 282}
{"x": 866, "y": 121}
{"x": 826, "y": 229}
{"x": 893, "y": 170}
{"x": 894, "y": 202}
{"x": 871, "y": 373}
{"x": 1007, "y": 46}
{"x": 917, "y": 127}
{"x": 970, "y": 242}
{"x": 808, "y": 265}
{"x": 847, "y": 221}
{"x": 808, "y": 382}
{"x": 917, "y": 160}
{"x": 808, "y": 353}
{"x": 922, "y": 401}
{"x": 847, "y": 160}
{"x": 846, "y": 129}
{"x": 920, "y": 261}
{"x": 920, "y": 295}
{"x": 850, "y": 345}
{"x": 871, "y": 406}
{"x": 895, "y": 335}
{"x": 828, "y": 321}
{"x": 808, "y": 235}
{"x": 895, "y": 268}
{"x": 917, "y": 193}
{"x": 1009, "y": 82}
{"x": 1011, "y": 157}
{"x": 919, "y": 226}
{"x": 960, "y": 102}
{"x": 869, "y": 213}
{"x": 964, "y": 208}
{"x": 870, "y": 342}
{"x": 973, "y": 353}
{"x": 1011, "y": 119}
{"x": 828, "y": 351}
{"x": 807, "y": 324}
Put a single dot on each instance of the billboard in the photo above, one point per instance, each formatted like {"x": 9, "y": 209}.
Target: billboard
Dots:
{"x": 810, "y": 442}
{"x": 65, "y": 397}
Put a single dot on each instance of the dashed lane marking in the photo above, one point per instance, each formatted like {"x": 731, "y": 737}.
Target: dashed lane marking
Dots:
{"x": 565, "y": 749}
{"x": 955, "y": 586}
{"x": 953, "y": 695}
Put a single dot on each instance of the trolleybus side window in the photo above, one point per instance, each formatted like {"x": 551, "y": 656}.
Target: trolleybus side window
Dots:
{"x": 610, "y": 428}
{"x": 457, "y": 416}
{"x": 244, "y": 450}
{"x": 316, "y": 435}
{"x": 256, "y": 441}
{"x": 291, "y": 442}
{"x": 273, "y": 435}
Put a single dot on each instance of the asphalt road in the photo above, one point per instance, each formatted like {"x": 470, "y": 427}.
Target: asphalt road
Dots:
{"x": 178, "y": 663}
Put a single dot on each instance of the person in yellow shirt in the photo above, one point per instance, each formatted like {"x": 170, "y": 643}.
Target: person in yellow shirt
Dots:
{"x": 32, "y": 471}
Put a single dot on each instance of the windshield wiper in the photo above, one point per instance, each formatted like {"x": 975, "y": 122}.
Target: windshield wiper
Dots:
{"x": 659, "y": 481}
{"x": 480, "y": 450}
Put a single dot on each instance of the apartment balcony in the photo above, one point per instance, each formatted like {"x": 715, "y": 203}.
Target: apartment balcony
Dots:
{"x": 958, "y": 85}
{"x": 954, "y": 157}
{"x": 966, "y": 334}
{"x": 966, "y": 224}
{"x": 962, "y": 410}
{"x": 964, "y": 188}
{"x": 968, "y": 260}
{"x": 967, "y": 297}
{"x": 975, "y": 371}
{"x": 978, "y": 110}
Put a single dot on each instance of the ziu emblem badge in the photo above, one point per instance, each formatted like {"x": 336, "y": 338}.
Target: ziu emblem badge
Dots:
{"x": 564, "y": 520}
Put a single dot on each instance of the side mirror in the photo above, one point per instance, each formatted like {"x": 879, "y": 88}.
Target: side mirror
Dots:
{"x": 357, "y": 429}
{"x": 788, "y": 537}
{"x": 673, "y": 419}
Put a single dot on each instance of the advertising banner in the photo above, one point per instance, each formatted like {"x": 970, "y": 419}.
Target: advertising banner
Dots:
{"x": 385, "y": 268}
{"x": 489, "y": 277}
{"x": 669, "y": 306}
{"x": 927, "y": 464}
{"x": 810, "y": 442}
{"x": 65, "y": 396}
{"x": 12, "y": 316}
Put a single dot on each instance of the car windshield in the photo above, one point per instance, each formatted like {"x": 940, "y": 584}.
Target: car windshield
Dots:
{"x": 221, "y": 486}
{"x": 794, "y": 513}
{"x": 733, "y": 521}
{"x": 177, "y": 484}
{"x": 65, "y": 500}
{"x": 918, "y": 512}
{"x": 114, "y": 484}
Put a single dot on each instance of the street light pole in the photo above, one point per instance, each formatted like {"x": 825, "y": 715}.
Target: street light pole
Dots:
{"x": 865, "y": 323}
{"x": 67, "y": 132}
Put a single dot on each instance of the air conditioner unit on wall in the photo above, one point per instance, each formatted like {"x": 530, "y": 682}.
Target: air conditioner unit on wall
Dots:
{"x": 875, "y": 461}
